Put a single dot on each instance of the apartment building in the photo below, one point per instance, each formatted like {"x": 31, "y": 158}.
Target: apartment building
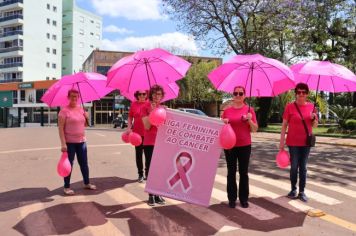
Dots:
{"x": 30, "y": 40}
{"x": 33, "y": 43}
{"x": 82, "y": 33}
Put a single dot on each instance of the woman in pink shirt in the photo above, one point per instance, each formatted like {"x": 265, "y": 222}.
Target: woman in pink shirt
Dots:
{"x": 242, "y": 119}
{"x": 135, "y": 124}
{"x": 297, "y": 137}
{"x": 71, "y": 127}
{"x": 156, "y": 95}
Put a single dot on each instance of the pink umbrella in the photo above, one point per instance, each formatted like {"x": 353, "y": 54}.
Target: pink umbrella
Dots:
{"x": 171, "y": 91}
{"x": 91, "y": 86}
{"x": 144, "y": 69}
{"x": 325, "y": 76}
{"x": 261, "y": 76}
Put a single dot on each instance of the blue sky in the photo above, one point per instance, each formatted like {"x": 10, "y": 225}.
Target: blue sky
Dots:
{"x": 136, "y": 24}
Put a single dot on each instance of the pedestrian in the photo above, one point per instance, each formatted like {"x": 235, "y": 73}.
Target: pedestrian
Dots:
{"x": 295, "y": 122}
{"x": 242, "y": 119}
{"x": 135, "y": 124}
{"x": 156, "y": 94}
{"x": 72, "y": 120}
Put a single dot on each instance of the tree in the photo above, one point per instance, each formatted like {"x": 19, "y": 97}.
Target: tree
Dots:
{"x": 195, "y": 87}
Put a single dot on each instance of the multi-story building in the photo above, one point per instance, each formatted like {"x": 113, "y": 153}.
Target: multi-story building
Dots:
{"x": 30, "y": 40}
{"x": 82, "y": 33}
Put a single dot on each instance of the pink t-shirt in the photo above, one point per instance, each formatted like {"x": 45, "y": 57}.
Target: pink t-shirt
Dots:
{"x": 136, "y": 114}
{"x": 74, "y": 126}
{"x": 296, "y": 132}
{"x": 241, "y": 127}
{"x": 149, "y": 136}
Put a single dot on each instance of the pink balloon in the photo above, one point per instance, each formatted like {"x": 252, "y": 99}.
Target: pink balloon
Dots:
{"x": 157, "y": 116}
{"x": 227, "y": 137}
{"x": 282, "y": 159}
{"x": 63, "y": 167}
{"x": 135, "y": 139}
{"x": 125, "y": 136}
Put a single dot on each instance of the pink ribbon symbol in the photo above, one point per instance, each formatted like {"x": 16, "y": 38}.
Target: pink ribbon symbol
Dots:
{"x": 182, "y": 170}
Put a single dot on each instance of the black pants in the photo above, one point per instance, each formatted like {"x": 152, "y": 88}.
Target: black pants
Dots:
{"x": 240, "y": 155}
{"x": 139, "y": 156}
{"x": 81, "y": 150}
{"x": 148, "y": 150}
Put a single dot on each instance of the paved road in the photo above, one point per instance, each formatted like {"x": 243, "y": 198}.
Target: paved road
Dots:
{"x": 32, "y": 203}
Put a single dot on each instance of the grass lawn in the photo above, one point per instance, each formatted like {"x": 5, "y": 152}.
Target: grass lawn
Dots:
{"x": 320, "y": 131}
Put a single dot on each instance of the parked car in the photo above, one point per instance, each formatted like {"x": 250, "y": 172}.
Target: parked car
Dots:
{"x": 120, "y": 121}
{"x": 193, "y": 111}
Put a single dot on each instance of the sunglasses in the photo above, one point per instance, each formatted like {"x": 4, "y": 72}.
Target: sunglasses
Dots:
{"x": 299, "y": 92}
{"x": 141, "y": 94}
{"x": 238, "y": 93}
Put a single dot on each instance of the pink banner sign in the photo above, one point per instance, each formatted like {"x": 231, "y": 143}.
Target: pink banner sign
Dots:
{"x": 185, "y": 158}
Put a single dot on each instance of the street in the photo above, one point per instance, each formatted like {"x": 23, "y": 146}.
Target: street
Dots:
{"x": 32, "y": 200}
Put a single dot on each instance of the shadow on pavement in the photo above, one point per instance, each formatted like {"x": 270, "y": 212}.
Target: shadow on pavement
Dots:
{"x": 25, "y": 196}
{"x": 143, "y": 220}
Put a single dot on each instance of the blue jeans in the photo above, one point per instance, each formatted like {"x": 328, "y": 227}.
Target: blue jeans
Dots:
{"x": 81, "y": 150}
{"x": 299, "y": 158}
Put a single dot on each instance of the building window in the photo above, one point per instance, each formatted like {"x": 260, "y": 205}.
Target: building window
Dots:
{"x": 39, "y": 94}
{"x": 48, "y": 6}
{"x": 54, "y": 23}
{"x": 48, "y": 36}
{"x": 48, "y": 50}
{"x": 22, "y": 95}
{"x": 54, "y": 51}
{"x": 64, "y": 28}
{"x": 53, "y": 78}
{"x": 47, "y": 64}
{"x": 54, "y": 37}
{"x": 81, "y": 18}
{"x": 81, "y": 31}
{"x": 54, "y": 66}
{"x": 81, "y": 45}
{"x": 14, "y": 96}
{"x": 91, "y": 33}
{"x": 91, "y": 21}
{"x": 48, "y": 21}
{"x": 54, "y": 8}
{"x": 47, "y": 78}
{"x": 91, "y": 46}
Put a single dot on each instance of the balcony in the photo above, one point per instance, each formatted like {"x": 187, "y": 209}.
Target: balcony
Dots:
{"x": 10, "y": 2}
{"x": 11, "y": 80}
{"x": 3, "y": 50}
{"x": 11, "y": 20}
{"x": 10, "y": 33}
{"x": 7, "y": 18}
{"x": 18, "y": 64}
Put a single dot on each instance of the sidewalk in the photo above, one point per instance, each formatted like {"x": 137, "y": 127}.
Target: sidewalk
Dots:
{"x": 319, "y": 139}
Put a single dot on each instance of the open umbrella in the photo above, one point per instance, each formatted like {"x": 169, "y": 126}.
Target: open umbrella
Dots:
{"x": 171, "y": 92}
{"x": 259, "y": 75}
{"x": 91, "y": 86}
{"x": 144, "y": 69}
{"x": 324, "y": 76}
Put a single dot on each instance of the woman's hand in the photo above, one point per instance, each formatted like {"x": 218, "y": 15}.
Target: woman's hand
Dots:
{"x": 63, "y": 148}
{"x": 281, "y": 146}
{"x": 249, "y": 116}
{"x": 225, "y": 120}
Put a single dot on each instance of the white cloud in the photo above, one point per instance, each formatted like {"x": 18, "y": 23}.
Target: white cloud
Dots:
{"x": 176, "y": 42}
{"x": 115, "y": 29}
{"x": 132, "y": 10}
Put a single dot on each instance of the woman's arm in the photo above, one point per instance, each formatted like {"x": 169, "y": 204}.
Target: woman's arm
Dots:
{"x": 283, "y": 134}
{"x": 61, "y": 124}
{"x": 146, "y": 123}
{"x": 129, "y": 123}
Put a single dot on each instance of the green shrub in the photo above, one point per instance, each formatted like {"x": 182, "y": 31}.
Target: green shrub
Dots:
{"x": 350, "y": 124}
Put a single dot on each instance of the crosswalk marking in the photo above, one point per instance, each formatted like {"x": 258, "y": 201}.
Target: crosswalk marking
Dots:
{"x": 210, "y": 217}
{"x": 286, "y": 186}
